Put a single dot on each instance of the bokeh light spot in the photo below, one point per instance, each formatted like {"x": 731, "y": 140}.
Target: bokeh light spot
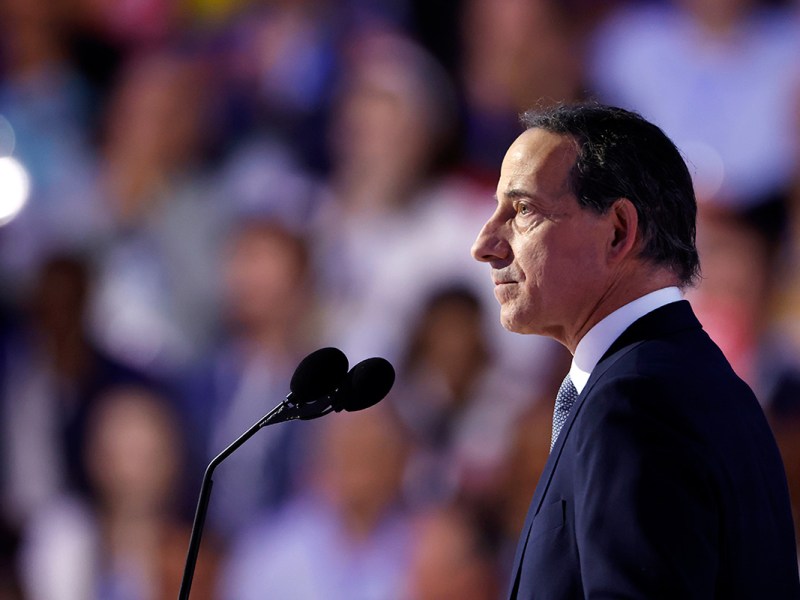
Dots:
{"x": 708, "y": 168}
{"x": 14, "y": 188}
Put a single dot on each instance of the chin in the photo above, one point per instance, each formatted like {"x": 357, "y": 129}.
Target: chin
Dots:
{"x": 514, "y": 324}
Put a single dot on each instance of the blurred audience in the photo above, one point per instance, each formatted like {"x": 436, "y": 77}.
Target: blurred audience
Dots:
{"x": 458, "y": 404}
{"x": 450, "y": 560}
{"x": 266, "y": 332}
{"x": 518, "y": 474}
{"x": 46, "y": 104}
{"x": 281, "y": 60}
{"x": 122, "y": 540}
{"x": 786, "y": 427}
{"x": 517, "y": 54}
{"x": 398, "y": 221}
{"x": 736, "y": 285}
{"x": 54, "y": 373}
{"x": 392, "y": 120}
{"x": 157, "y": 297}
{"x": 721, "y": 78}
{"x": 736, "y": 302}
{"x": 349, "y": 536}
{"x": 220, "y": 187}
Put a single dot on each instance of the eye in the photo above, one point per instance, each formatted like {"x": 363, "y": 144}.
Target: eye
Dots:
{"x": 522, "y": 209}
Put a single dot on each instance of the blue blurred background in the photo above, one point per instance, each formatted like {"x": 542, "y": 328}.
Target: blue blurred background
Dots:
{"x": 196, "y": 194}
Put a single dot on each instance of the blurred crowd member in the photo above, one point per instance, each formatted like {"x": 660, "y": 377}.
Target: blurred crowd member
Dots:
{"x": 53, "y": 375}
{"x": 260, "y": 175}
{"x": 391, "y": 91}
{"x": 319, "y": 88}
{"x": 395, "y": 226}
{"x": 721, "y": 79}
{"x": 129, "y": 26}
{"x": 348, "y": 537}
{"x": 281, "y": 59}
{"x": 458, "y": 403}
{"x": 786, "y": 308}
{"x": 528, "y": 453}
{"x": 516, "y": 54}
{"x": 101, "y": 37}
{"x": 733, "y": 299}
{"x": 157, "y": 294}
{"x": 44, "y": 124}
{"x": 450, "y": 559}
{"x": 786, "y": 424}
{"x": 737, "y": 302}
{"x": 122, "y": 541}
{"x": 267, "y": 304}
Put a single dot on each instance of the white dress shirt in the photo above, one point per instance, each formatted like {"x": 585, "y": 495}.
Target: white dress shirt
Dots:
{"x": 600, "y": 337}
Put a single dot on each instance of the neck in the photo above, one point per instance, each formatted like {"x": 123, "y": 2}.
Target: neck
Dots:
{"x": 620, "y": 292}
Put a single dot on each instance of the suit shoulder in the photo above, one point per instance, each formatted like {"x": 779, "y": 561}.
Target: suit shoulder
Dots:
{"x": 680, "y": 386}
{"x": 687, "y": 367}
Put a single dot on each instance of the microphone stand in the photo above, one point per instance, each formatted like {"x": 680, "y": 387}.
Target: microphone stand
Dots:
{"x": 285, "y": 411}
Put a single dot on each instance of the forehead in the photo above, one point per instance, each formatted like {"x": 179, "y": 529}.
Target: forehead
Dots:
{"x": 538, "y": 162}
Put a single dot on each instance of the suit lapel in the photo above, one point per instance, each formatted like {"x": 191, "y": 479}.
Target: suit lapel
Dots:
{"x": 668, "y": 319}
{"x": 549, "y": 468}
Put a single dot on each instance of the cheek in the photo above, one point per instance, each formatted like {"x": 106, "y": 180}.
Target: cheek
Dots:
{"x": 552, "y": 274}
{"x": 537, "y": 269}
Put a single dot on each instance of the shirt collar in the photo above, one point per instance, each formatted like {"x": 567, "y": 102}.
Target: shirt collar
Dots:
{"x": 600, "y": 337}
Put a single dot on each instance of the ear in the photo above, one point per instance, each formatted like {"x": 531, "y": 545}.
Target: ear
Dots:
{"x": 625, "y": 229}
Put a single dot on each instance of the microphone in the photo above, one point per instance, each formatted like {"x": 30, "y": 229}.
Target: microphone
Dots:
{"x": 321, "y": 384}
{"x": 317, "y": 375}
{"x": 365, "y": 385}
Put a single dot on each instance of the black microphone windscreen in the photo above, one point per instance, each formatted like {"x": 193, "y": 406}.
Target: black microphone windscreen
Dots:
{"x": 366, "y": 384}
{"x": 318, "y": 374}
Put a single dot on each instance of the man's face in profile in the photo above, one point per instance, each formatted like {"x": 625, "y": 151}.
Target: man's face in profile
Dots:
{"x": 547, "y": 254}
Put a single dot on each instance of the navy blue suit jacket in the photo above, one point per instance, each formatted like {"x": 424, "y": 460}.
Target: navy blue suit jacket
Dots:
{"x": 665, "y": 481}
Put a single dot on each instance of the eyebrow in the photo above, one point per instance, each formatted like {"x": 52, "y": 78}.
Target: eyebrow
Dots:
{"x": 518, "y": 193}
{"x": 542, "y": 204}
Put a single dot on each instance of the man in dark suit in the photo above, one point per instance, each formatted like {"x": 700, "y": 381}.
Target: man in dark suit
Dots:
{"x": 664, "y": 480}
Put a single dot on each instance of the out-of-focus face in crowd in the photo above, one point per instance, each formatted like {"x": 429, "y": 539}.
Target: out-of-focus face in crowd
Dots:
{"x": 133, "y": 453}
{"x": 361, "y": 459}
{"x": 394, "y": 115}
{"x": 265, "y": 276}
{"x": 154, "y": 129}
{"x": 447, "y": 543}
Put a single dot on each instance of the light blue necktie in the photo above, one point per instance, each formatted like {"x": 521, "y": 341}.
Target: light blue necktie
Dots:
{"x": 567, "y": 394}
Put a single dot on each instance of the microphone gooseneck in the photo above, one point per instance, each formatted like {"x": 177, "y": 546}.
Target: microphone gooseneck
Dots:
{"x": 312, "y": 386}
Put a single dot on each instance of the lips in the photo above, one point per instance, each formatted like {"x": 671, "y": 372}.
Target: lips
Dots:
{"x": 504, "y": 290}
{"x": 501, "y": 279}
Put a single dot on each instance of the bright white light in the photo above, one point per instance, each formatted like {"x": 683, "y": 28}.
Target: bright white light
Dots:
{"x": 15, "y": 184}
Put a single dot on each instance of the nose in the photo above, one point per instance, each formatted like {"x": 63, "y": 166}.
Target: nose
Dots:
{"x": 490, "y": 245}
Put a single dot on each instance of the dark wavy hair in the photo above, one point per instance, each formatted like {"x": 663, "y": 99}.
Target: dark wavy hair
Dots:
{"x": 622, "y": 155}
